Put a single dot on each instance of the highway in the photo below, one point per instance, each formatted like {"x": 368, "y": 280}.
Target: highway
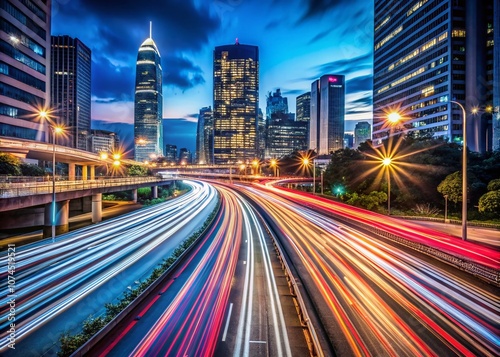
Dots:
{"x": 226, "y": 299}
{"x": 59, "y": 284}
{"x": 373, "y": 298}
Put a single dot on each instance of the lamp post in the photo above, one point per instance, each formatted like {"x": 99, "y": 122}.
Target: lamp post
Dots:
{"x": 464, "y": 171}
{"x": 55, "y": 131}
{"x": 321, "y": 182}
{"x": 387, "y": 163}
{"x": 445, "y": 208}
{"x": 274, "y": 163}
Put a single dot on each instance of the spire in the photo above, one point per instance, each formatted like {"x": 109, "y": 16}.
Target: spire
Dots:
{"x": 237, "y": 41}
{"x": 150, "y": 29}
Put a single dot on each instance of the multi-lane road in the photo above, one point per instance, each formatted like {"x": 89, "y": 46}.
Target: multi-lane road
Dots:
{"x": 364, "y": 295}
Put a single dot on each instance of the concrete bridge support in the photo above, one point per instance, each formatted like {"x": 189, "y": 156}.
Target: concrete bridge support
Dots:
{"x": 85, "y": 173}
{"x": 92, "y": 172}
{"x": 60, "y": 220}
{"x": 71, "y": 172}
{"x": 97, "y": 208}
{"x": 154, "y": 191}
{"x": 134, "y": 195}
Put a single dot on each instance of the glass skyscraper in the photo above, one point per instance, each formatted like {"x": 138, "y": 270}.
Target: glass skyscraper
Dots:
{"x": 236, "y": 101}
{"x": 24, "y": 68}
{"x": 148, "y": 106}
{"x": 205, "y": 136}
{"x": 326, "y": 129}
{"x": 428, "y": 53}
{"x": 70, "y": 89}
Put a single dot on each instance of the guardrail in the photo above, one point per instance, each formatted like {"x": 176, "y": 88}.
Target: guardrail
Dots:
{"x": 18, "y": 189}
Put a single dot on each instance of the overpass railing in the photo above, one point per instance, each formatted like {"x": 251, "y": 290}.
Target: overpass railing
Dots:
{"x": 27, "y": 188}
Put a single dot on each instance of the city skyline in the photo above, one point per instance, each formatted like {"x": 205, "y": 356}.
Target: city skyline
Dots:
{"x": 295, "y": 49}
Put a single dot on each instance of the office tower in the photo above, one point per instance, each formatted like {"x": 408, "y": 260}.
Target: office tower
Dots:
{"x": 205, "y": 137}
{"x": 103, "y": 141}
{"x": 283, "y": 134}
{"x": 236, "y": 100}
{"x": 303, "y": 107}
{"x": 185, "y": 157}
{"x": 171, "y": 153}
{"x": 326, "y": 129}
{"x": 496, "y": 78}
{"x": 348, "y": 140}
{"x": 362, "y": 133}
{"x": 70, "y": 89}
{"x": 427, "y": 54}
{"x": 148, "y": 105}
{"x": 24, "y": 68}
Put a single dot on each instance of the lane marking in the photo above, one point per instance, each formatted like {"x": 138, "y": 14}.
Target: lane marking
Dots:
{"x": 227, "y": 321}
{"x": 257, "y": 341}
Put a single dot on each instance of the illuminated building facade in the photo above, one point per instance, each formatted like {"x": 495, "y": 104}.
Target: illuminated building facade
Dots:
{"x": 148, "y": 106}
{"x": 426, "y": 54}
{"x": 326, "y": 129}
{"x": 24, "y": 68}
{"x": 70, "y": 89}
{"x": 205, "y": 137}
{"x": 236, "y": 100}
{"x": 362, "y": 133}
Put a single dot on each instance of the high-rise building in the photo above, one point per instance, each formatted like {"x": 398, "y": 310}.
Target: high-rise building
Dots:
{"x": 326, "y": 129}
{"x": 283, "y": 134}
{"x": 148, "y": 106}
{"x": 236, "y": 102}
{"x": 171, "y": 153}
{"x": 427, "y": 54}
{"x": 496, "y": 78}
{"x": 24, "y": 68}
{"x": 362, "y": 133}
{"x": 348, "y": 140}
{"x": 261, "y": 135}
{"x": 303, "y": 107}
{"x": 205, "y": 137}
{"x": 70, "y": 89}
{"x": 103, "y": 141}
{"x": 185, "y": 156}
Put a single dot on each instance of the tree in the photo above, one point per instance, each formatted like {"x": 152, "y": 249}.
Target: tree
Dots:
{"x": 10, "y": 165}
{"x": 490, "y": 202}
{"x": 31, "y": 170}
{"x": 494, "y": 185}
{"x": 137, "y": 170}
{"x": 452, "y": 187}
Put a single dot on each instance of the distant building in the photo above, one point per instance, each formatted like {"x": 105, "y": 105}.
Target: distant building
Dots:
{"x": 205, "y": 137}
{"x": 261, "y": 135}
{"x": 236, "y": 102}
{"x": 24, "y": 68}
{"x": 148, "y": 105}
{"x": 326, "y": 129}
{"x": 362, "y": 133}
{"x": 185, "y": 156}
{"x": 70, "y": 89}
{"x": 171, "y": 153}
{"x": 348, "y": 140}
{"x": 429, "y": 53}
{"x": 496, "y": 78}
{"x": 103, "y": 141}
{"x": 283, "y": 134}
{"x": 303, "y": 110}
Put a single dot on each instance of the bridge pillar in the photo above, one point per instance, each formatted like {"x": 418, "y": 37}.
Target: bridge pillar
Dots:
{"x": 134, "y": 195}
{"x": 85, "y": 173}
{"x": 92, "y": 172}
{"x": 61, "y": 218}
{"x": 154, "y": 190}
{"x": 97, "y": 208}
{"x": 71, "y": 171}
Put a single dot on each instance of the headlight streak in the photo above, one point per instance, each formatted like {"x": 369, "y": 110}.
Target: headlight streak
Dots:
{"x": 457, "y": 314}
{"x": 74, "y": 271}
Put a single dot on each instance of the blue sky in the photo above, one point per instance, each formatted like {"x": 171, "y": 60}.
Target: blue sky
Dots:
{"x": 298, "y": 42}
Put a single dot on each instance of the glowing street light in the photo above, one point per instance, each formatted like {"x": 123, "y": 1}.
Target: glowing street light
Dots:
{"x": 394, "y": 117}
{"x": 387, "y": 161}
{"x": 306, "y": 162}
{"x": 274, "y": 164}
{"x": 464, "y": 171}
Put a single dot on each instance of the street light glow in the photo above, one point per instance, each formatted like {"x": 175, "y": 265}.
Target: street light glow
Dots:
{"x": 386, "y": 161}
{"x": 394, "y": 117}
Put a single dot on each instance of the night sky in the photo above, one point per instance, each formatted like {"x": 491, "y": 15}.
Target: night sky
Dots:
{"x": 298, "y": 42}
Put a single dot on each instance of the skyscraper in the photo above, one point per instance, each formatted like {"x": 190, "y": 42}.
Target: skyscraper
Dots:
{"x": 362, "y": 132}
{"x": 24, "y": 68}
{"x": 70, "y": 89}
{"x": 236, "y": 98}
{"x": 148, "y": 106}
{"x": 496, "y": 78}
{"x": 303, "y": 111}
{"x": 427, "y": 54}
{"x": 205, "y": 136}
{"x": 326, "y": 129}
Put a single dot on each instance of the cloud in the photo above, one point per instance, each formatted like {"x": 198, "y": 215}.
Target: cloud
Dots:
{"x": 350, "y": 65}
{"x": 181, "y": 72}
{"x": 319, "y": 36}
{"x": 359, "y": 84}
{"x": 318, "y": 8}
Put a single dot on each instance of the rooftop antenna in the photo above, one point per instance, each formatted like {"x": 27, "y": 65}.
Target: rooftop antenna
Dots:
{"x": 150, "y": 29}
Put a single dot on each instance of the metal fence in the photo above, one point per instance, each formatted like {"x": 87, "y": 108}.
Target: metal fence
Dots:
{"x": 16, "y": 187}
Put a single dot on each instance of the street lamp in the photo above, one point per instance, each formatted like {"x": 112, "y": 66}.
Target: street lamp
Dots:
{"x": 464, "y": 171}
{"x": 305, "y": 161}
{"x": 274, "y": 163}
{"x": 386, "y": 161}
